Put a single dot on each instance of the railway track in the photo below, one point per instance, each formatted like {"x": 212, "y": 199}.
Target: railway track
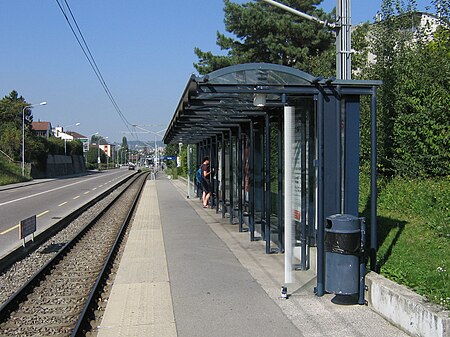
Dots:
{"x": 59, "y": 299}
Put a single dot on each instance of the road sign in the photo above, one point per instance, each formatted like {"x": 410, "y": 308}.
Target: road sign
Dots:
{"x": 85, "y": 146}
{"x": 170, "y": 157}
{"x": 27, "y": 227}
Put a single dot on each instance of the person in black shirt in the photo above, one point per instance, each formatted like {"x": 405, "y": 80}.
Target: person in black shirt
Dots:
{"x": 206, "y": 184}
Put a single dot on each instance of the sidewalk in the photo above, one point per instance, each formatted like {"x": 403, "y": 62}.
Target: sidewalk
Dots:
{"x": 40, "y": 181}
{"x": 24, "y": 183}
{"x": 188, "y": 272}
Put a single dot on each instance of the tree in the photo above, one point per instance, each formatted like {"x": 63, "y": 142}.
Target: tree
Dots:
{"x": 11, "y": 108}
{"x": 124, "y": 143}
{"x": 413, "y": 100}
{"x": 361, "y": 46}
{"x": 264, "y": 33}
{"x": 10, "y": 139}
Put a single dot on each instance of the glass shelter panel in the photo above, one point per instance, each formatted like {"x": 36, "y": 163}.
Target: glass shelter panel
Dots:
{"x": 303, "y": 184}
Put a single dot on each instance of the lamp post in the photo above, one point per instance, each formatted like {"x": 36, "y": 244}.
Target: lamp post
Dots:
{"x": 65, "y": 139}
{"x": 23, "y": 133}
{"x": 157, "y": 133}
{"x": 98, "y": 151}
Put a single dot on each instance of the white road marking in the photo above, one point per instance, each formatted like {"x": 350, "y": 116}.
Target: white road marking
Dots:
{"x": 44, "y": 192}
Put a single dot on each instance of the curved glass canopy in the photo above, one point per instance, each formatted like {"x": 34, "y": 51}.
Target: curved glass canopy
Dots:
{"x": 226, "y": 97}
{"x": 259, "y": 74}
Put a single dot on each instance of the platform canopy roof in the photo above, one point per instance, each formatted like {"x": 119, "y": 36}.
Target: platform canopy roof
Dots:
{"x": 225, "y": 98}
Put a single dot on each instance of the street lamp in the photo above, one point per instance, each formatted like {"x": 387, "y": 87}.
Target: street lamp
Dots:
{"x": 23, "y": 133}
{"x": 65, "y": 139}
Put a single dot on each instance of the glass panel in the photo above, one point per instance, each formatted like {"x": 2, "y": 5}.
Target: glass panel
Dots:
{"x": 303, "y": 177}
{"x": 259, "y": 76}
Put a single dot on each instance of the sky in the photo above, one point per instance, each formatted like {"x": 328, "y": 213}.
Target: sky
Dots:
{"x": 144, "y": 50}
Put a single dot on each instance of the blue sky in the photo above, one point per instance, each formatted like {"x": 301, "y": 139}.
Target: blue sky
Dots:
{"x": 144, "y": 50}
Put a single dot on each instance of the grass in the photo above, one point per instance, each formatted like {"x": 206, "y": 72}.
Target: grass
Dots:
{"x": 413, "y": 233}
{"x": 10, "y": 173}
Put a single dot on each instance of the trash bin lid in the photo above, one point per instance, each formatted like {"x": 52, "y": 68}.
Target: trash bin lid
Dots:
{"x": 342, "y": 222}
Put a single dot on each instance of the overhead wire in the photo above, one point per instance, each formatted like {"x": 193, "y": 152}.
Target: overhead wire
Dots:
{"x": 87, "y": 52}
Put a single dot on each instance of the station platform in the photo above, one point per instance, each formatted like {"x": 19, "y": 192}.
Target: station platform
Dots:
{"x": 187, "y": 272}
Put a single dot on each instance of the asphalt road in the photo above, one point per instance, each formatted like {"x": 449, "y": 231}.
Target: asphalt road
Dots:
{"x": 50, "y": 201}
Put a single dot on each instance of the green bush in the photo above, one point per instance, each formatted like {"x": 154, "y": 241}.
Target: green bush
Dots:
{"x": 10, "y": 172}
{"x": 412, "y": 102}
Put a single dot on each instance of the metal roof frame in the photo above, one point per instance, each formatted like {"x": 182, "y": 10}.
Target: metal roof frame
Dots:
{"x": 210, "y": 103}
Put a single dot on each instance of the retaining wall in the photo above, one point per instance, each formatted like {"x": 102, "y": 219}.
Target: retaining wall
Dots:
{"x": 60, "y": 166}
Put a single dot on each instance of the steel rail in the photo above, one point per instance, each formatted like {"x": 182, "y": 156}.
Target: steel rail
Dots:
{"x": 82, "y": 324}
{"x": 20, "y": 252}
{"x": 13, "y": 302}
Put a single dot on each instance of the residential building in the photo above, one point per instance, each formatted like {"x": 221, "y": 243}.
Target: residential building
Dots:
{"x": 42, "y": 129}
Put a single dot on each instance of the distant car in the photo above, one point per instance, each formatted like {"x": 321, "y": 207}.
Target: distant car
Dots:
{"x": 131, "y": 167}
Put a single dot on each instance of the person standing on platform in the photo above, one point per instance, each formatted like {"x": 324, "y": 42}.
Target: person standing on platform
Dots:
{"x": 206, "y": 184}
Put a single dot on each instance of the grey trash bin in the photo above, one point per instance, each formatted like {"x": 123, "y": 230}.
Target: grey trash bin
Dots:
{"x": 343, "y": 250}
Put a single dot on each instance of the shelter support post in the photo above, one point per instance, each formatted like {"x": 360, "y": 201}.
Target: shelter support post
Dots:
{"x": 239, "y": 177}
{"x": 223, "y": 175}
{"x": 231, "y": 174}
{"x": 251, "y": 177}
{"x": 320, "y": 289}
{"x": 216, "y": 172}
{"x": 373, "y": 181}
{"x": 267, "y": 190}
{"x": 189, "y": 169}
{"x": 351, "y": 151}
{"x": 288, "y": 223}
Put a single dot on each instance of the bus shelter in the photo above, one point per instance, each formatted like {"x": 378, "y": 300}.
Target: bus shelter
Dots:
{"x": 284, "y": 151}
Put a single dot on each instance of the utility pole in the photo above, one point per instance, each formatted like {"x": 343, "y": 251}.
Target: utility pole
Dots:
{"x": 342, "y": 28}
{"x": 343, "y": 40}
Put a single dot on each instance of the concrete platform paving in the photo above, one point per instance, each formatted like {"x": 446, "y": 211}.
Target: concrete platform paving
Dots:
{"x": 188, "y": 272}
{"x": 140, "y": 302}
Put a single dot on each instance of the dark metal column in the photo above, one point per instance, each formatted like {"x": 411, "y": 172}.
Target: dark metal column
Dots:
{"x": 223, "y": 175}
{"x": 198, "y": 155}
{"x": 216, "y": 172}
{"x": 320, "y": 289}
{"x": 211, "y": 165}
{"x": 239, "y": 177}
{"x": 231, "y": 210}
{"x": 312, "y": 182}
{"x": 251, "y": 177}
{"x": 373, "y": 181}
{"x": 267, "y": 191}
{"x": 351, "y": 159}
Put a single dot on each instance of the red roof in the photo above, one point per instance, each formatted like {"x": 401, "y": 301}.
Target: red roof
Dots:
{"x": 76, "y": 135}
{"x": 41, "y": 126}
